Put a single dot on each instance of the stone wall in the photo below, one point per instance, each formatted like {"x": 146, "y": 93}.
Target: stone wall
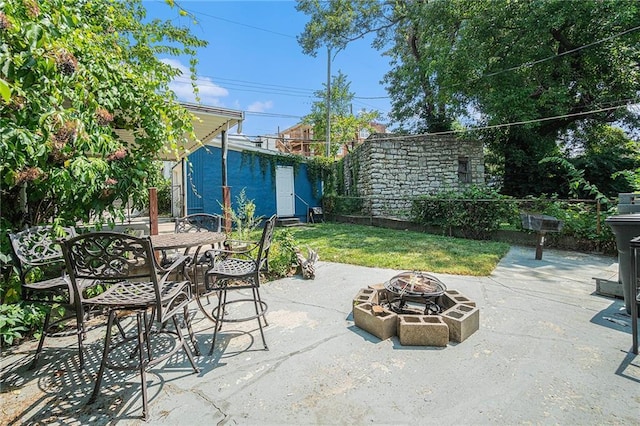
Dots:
{"x": 389, "y": 170}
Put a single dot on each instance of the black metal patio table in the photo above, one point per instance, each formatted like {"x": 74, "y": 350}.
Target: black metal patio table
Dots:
{"x": 191, "y": 240}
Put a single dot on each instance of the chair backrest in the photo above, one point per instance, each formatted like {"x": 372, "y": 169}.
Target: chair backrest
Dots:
{"x": 265, "y": 242}
{"x": 39, "y": 247}
{"x": 110, "y": 257}
{"x": 199, "y": 222}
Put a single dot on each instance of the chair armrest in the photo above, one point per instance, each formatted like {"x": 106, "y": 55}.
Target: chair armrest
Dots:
{"x": 213, "y": 255}
{"x": 232, "y": 247}
{"x": 181, "y": 261}
{"x": 240, "y": 246}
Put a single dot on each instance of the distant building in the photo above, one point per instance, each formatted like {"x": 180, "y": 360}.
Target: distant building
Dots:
{"x": 269, "y": 142}
{"x": 236, "y": 139}
{"x": 299, "y": 140}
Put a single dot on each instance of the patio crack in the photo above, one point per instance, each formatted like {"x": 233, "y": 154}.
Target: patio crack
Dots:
{"x": 205, "y": 397}
{"x": 313, "y": 305}
{"x": 277, "y": 362}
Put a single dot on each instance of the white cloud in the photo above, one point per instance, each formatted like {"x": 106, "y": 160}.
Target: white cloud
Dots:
{"x": 210, "y": 93}
{"x": 259, "y": 106}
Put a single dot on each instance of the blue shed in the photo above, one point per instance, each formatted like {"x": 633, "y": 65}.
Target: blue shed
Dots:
{"x": 276, "y": 182}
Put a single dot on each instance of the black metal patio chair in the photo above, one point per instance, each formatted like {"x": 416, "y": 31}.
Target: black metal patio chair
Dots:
{"x": 197, "y": 222}
{"x": 126, "y": 268}
{"x": 236, "y": 270}
{"x": 38, "y": 258}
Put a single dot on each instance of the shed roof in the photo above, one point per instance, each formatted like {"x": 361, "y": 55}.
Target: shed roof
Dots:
{"x": 209, "y": 122}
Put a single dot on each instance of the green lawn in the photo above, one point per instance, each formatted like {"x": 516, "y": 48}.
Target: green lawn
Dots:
{"x": 406, "y": 250}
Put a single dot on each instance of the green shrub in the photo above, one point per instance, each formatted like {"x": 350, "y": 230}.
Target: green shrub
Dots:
{"x": 245, "y": 222}
{"x": 9, "y": 285}
{"x": 335, "y": 204}
{"x": 12, "y": 326}
{"x": 282, "y": 255}
{"x": 580, "y": 220}
{"x": 164, "y": 197}
{"x": 477, "y": 212}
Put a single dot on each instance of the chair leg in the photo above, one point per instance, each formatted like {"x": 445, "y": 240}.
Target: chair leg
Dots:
{"x": 142, "y": 336}
{"x": 192, "y": 336}
{"x": 120, "y": 329}
{"x": 147, "y": 331}
{"x": 257, "y": 296}
{"x": 223, "y": 310}
{"x": 81, "y": 334}
{"x": 257, "y": 302}
{"x": 222, "y": 300}
{"x": 105, "y": 357}
{"x": 45, "y": 327}
{"x": 185, "y": 347}
{"x": 147, "y": 327}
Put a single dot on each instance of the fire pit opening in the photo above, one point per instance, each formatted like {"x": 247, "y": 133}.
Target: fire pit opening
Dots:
{"x": 414, "y": 293}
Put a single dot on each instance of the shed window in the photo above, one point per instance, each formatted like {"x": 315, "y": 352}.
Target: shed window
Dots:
{"x": 464, "y": 170}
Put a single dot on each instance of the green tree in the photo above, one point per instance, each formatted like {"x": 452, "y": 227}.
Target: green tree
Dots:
{"x": 494, "y": 62}
{"x": 345, "y": 125}
{"x": 75, "y": 77}
{"x": 608, "y": 158}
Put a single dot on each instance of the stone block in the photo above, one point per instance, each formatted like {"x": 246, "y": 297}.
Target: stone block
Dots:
{"x": 463, "y": 321}
{"x": 382, "y": 326}
{"x": 460, "y": 298}
{"x": 381, "y": 293}
{"x": 424, "y": 330}
{"x": 446, "y": 301}
{"x": 366, "y": 295}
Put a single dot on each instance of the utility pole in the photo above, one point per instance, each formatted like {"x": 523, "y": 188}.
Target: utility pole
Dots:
{"x": 328, "y": 101}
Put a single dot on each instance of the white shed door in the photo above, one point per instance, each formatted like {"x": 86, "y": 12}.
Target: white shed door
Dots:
{"x": 285, "y": 202}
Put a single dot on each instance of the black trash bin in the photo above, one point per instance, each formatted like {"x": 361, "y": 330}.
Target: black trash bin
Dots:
{"x": 625, "y": 227}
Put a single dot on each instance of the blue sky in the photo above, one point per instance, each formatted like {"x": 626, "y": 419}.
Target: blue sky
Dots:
{"x": 253, "y": 62}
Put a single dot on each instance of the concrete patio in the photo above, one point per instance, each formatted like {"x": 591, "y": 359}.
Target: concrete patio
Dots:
{"x": 548, "y": 351}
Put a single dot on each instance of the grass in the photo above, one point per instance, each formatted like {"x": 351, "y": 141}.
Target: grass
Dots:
{"x": 395, "y": 249}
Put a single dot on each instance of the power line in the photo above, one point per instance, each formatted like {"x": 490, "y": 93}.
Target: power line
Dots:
{"x": 271, "y": 114}
{"x": 260, "y": 84}
{"x": 524, "y": 65}
{"x": 196, "y": 14}
{"x": 300, "y": 91}
{"x": 244, "y": 88}
{"x": 494, "y": 126}
{"x": 539, "y": 61}
{"x": 303, "y": 92}
{"x": 519, "y": 123}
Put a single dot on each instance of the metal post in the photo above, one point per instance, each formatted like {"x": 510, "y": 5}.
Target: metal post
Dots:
{"x": 328, "y": 101}
{"x": 634, "y": 295}
{"x": 153, "y": 211}
{"x": 226, "y": 201}
{"x": 540, "y": 244}
{"x": 226, "y": 190}
{"x": 223, "y": 137}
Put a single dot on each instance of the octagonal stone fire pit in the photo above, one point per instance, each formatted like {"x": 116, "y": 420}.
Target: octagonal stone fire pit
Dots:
{"x": 418, "y": 308}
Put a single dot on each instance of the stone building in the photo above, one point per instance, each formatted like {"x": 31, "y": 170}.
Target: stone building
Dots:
{"x": 388, "y": 171}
